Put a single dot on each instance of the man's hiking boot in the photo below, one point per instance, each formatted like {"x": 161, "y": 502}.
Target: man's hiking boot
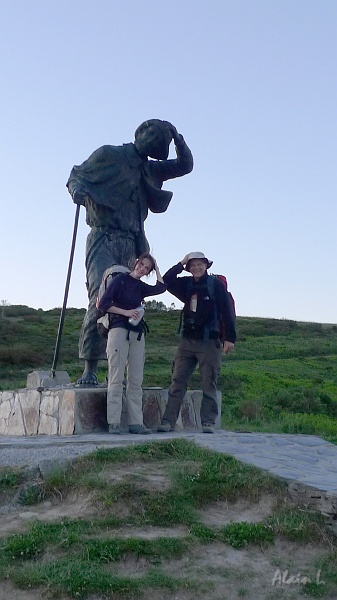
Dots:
{"x": 114, "y": 428}
{"x": 139, "y": 429}
{"x": 207, "y": 428}
{"x": 165, "y": 427}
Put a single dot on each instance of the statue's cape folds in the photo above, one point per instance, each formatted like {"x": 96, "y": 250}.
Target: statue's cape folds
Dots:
{"x": 111, "y": 175}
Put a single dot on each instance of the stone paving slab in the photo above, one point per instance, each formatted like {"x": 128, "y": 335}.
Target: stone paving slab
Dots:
{"x": 304, "y": 460}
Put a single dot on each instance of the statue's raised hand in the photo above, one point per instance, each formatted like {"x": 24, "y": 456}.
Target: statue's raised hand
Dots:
{"x": 173, "y": 130}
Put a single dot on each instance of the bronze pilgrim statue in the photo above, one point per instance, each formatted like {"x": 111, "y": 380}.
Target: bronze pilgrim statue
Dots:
{"x": 118, "y": 185}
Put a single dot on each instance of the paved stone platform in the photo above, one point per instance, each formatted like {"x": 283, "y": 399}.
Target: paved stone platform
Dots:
{"x": 307, "y": 463}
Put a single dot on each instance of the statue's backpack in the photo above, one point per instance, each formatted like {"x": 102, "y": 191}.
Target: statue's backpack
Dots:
{"x": 107, "y": 277}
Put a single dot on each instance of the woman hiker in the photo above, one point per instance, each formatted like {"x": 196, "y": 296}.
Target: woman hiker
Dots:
{"x": 126, "y": 345}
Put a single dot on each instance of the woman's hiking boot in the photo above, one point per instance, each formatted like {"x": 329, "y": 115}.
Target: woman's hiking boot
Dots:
{"x": 142, "y": 429}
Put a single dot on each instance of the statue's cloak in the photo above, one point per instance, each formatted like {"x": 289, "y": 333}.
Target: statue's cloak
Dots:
{"x": 113, "y": 174}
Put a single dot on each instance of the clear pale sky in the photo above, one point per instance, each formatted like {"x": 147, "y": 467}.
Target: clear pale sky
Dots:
{"x": 252, "y": 86}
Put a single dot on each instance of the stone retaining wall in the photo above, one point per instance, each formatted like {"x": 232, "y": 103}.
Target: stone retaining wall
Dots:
{"x": 67, "y": 410}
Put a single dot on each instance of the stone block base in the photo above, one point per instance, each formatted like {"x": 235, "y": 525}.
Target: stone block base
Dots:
{"x": 70, "y": 410}
{"x": 44, "y": 379}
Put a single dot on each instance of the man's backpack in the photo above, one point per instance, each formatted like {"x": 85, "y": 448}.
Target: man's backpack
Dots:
{"x": 210, "y": 285}
{"x": 107, "y": 277}
{"x": 223, "y": 280}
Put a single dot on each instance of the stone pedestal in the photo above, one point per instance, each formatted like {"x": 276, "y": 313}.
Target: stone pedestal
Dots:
{"x": 70, "y": 410}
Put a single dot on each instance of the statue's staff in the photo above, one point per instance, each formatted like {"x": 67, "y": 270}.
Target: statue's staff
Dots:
{"x": 63, "y": 311}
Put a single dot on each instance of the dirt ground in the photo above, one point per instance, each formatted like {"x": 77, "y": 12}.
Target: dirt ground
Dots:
{"x": 270, "y": 572}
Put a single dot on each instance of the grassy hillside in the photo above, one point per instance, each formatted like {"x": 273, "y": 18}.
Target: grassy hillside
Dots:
{"x": 282, "y": 375}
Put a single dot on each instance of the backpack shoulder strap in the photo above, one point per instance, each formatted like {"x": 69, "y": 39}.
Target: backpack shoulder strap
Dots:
{"x": 211, "y": 291}
{"x": 211, "y": 285}
{"x": 188, "y": 293}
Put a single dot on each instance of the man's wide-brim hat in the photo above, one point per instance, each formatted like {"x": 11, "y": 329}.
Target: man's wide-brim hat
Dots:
{"x": 199, "y": 256}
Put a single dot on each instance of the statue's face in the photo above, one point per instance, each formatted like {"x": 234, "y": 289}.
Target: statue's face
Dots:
{"x": 150, "y": 142}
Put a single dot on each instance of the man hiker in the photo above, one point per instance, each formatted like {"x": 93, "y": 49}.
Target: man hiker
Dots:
{"x": 206, "y": 304}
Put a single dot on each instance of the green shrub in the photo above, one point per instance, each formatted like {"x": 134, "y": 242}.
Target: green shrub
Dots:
{"x": 20, "y": 354}
{"x": 302, "y": 400}
{"x": 241, "y": 534}
{"x": 24, "y": 546}
{"x": 298, "y": 525}
{"x": 309, "y": 424}
{"x": 203, "y": 533}
{"x": 9, "y": 478}
{"x": 18, "y": 310}
{"x": 249, "y": 409}
{"x": 31, "y": 494}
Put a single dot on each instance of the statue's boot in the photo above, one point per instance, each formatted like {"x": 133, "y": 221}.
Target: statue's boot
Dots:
{"x": 88, "y": 379}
